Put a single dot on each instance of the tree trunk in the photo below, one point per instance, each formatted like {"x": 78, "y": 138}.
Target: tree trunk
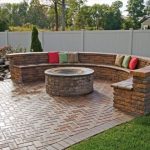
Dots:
{"x": 63, "y": 15}
{"x": 56, "y": 15}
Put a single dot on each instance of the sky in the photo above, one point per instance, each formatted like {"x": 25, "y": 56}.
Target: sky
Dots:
{"x": 89, "y": 2}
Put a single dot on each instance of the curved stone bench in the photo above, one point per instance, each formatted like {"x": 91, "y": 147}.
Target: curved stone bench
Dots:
{"x": 27, "y": 67}
{"x": 35, "y": 72}
{"x": 132, "y": 95}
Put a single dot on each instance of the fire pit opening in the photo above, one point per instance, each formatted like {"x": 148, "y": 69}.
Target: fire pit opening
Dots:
{"x": 69, "y": 81}
{"x": 68, "y": 71}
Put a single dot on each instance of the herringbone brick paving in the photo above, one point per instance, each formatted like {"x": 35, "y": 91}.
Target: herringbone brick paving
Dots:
{"x": 32, "y": 120}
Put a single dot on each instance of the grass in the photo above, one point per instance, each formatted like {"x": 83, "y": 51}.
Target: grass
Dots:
{"x": 134, "y": 135}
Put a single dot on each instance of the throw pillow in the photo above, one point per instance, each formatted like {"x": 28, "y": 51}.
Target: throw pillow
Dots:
{"x": 133, "y": 63}
{"x": 126, "y": 61}
{"x": 53, "y": 57}
{"x": 119, "y": 59}
{"x": 73, "y": 57}
{"x": 63, "y": 58}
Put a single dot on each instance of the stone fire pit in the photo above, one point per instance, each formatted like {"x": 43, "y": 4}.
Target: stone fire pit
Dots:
{"x": 69, "y": 81}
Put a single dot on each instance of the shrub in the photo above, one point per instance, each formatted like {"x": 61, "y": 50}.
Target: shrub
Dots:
{"x": 35, "y": 43}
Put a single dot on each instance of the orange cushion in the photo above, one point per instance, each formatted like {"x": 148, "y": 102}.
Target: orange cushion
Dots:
{"x": 53, "y": 57}
{"x": 133, "y": 62}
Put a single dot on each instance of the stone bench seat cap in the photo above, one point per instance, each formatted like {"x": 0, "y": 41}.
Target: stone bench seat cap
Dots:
{"x": 125, "y": 84}
{"x": 74, "y": 71}
{"x": 74, "y": 64}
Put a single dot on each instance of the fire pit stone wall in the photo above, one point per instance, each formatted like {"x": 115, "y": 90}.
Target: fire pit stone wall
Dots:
{"x": 71, "y": 84}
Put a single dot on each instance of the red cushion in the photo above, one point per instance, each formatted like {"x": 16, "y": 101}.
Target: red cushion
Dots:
{"x": 53, "y": 57}
{"x": 133, "y": 63}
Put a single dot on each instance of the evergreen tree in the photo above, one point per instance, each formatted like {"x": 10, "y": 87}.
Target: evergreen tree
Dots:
{"x": 35, "y": 43}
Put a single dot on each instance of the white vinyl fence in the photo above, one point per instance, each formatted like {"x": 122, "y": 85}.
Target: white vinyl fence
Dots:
{"x": 136, "y": 42}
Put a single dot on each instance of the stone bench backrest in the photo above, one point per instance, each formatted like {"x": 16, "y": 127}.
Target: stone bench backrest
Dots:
{"x": 27, "y": 58}
{"x": 84, "y": 57}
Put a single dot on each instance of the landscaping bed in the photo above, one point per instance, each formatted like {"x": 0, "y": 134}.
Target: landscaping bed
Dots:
{"x": 4, "y": 63}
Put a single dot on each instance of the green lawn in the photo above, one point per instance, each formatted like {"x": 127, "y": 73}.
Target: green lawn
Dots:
{"x": 134, "y": 135}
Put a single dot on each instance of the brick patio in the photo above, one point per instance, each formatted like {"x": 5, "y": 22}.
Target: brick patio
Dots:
{"x": 32, "y": 120}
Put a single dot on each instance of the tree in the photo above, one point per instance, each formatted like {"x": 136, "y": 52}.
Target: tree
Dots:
{"x": 61, "y": 5}
{"x": 127, "y": 23}
{"x": 56, "y": 4}
{"x": 35, "y": 43}
{"x": 108, "y": 20}
{"x": 15, "y": 18}
{"x": 117, "y": 17}
{"x": 56, "y": 13}
{"x": 37, "y": 14}
{"x": 147, "y": 8}
{"x": 63, "y": 15}
{"x": 3, "y": 25}
{"x": 15, "y": 14}
{"x": 22, "y": 11}
{"x": 135, "y": 10}
{"x": 107, "y": 17}
{"x": 5, "y": 13}
{"x": 117, "y": 4}
{"x": 97, "y": 15}
{"x": 75, "y": 13}
{"x": 72, "y": 14}
{"x": 83, "y": 19}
